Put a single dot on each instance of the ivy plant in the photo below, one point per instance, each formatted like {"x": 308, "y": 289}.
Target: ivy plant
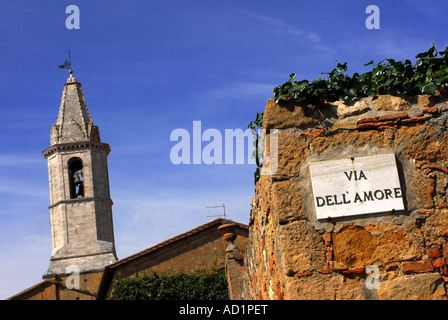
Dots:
{"x": 428, "y": 75}
{"x": 255, "y": 126}
{"x": 198, "y": 285}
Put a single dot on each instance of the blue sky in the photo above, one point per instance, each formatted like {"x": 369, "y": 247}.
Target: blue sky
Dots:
{"x": 150, "y": 67}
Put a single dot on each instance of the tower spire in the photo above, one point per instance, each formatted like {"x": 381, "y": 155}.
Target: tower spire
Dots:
{"x": 74, "y": 122}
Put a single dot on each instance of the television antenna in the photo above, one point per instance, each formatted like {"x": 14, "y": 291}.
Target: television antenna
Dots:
{"x": 219, "y": 215}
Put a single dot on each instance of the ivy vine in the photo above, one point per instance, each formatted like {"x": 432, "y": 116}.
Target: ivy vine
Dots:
{"x": 254, "y": 126}
{"x": 428, "y": 75}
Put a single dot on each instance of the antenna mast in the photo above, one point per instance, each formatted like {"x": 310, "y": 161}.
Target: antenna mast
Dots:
{"x": 219, "y": 215}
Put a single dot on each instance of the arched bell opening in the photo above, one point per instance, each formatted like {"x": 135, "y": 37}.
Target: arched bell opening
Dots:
{"x": 76, "y": 178}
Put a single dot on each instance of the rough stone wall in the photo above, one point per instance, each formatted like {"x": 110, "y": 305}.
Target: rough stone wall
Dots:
{"x": 292, "y": 255}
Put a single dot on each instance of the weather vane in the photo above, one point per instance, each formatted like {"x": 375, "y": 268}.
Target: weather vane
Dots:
{"x": 68, "y": 63}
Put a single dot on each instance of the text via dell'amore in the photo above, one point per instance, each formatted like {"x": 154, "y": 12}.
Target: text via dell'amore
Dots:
{"x": 372, "y": 195}
{"x": 356, "y": 186}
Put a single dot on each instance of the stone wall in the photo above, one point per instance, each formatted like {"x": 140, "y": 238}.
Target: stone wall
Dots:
{"x": 293, "y": 255}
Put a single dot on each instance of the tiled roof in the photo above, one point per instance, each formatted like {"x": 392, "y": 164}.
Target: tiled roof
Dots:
{"x": 174, "y": 239}
{"x": 110, "y": 269}
{"x": 30, "y": 290}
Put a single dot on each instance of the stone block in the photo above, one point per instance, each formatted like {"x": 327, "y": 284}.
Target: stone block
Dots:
{"x": 286, "y": 201}
{"x": 344, "y": 111}
{"x": 291, "y": 150}
{"x": 437, "y": 224}
{"x": 291, "y": 114}
{"x": 388, "y": 102}
{"x": 356, "y": 246}
{"x": 416, "y": 287}
{"x": 424, "y": 100}
{"x": 322, "y": 287}
{"x": 301, "y": 247}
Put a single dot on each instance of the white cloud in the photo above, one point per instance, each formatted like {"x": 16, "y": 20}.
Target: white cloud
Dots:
{"x": 241, "y": 90}
{"x": 18, "y": 160}
{"x": 24, "y": 263}
{"x": 25, "y": 188}
{"x": 281, "y": 28}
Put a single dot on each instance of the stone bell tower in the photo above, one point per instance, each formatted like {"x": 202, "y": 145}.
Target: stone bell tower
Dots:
{"x": 80, "y": 204}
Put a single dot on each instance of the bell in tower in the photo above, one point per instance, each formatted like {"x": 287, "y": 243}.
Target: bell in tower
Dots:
{"x": 76, "y": 179}
{"x": 78, "y": 185}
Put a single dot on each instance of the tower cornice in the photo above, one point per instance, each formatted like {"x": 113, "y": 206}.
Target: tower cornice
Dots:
{"x": 81, "y": 200}
{"x": 76, "y": 146}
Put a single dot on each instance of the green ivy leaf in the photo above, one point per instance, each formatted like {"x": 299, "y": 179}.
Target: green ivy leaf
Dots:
{"x": 292, "y": 76}
{"x": 352, "y": 92}
{"x": 429, "y": 88}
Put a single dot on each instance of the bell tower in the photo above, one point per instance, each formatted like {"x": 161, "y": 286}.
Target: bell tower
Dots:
{"x": 80, "y": 204}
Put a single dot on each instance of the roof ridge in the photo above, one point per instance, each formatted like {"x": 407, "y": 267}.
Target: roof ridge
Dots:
{"x": 24, "y": 291}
